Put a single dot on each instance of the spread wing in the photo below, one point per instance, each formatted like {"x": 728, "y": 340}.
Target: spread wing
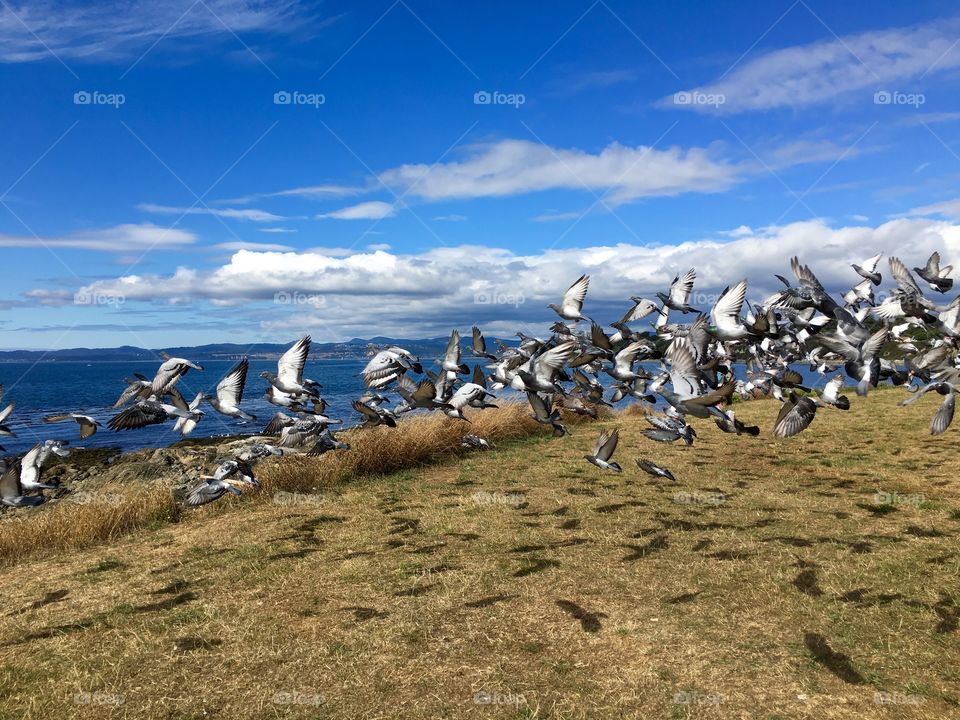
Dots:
{"x": 941, "y": 421}
{"x": 903, "y": 277}
{"x": 575, "y": 294}
{"x": 684, "y": 376}
{"x": 230, "y": 389}
{"x": 726, "y": 312}
{"x": 682, "y": 286}
{"x": 290, "y": 365}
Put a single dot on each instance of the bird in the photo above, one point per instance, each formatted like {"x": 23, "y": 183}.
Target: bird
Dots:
{"x": 88, "y": 426}
{"x": 474, "y": 442}
{"x": 226, "y": 477}
{"x": 169, "y": 372}
{"x": 679, "y": 295}
{"x": 795, "y": 416}
{"x": 667, "y": 428}
{"x": 325, "y": 442}
{"x": 655, "y": 470}
{"x": 289, "y": 376}
{"x": 5, "y": 431}
{"x": 374, "y": 416}
{"x": 147, "y": 412}
{"x": 730, "y": 424}
{"x": 830, "y": 395}
{"x": 31, "y": 464}
{"x": 387, "y": 365}
{"x": 868, "y": 271}
{"x": 139, "y": 387}
{"x": 603, "y": 450}
{"x": 12, "y": 491}
{"x": 571, "y": 307}
{"x": 544, "y": 412}
{"x": 934, "y": 275}
{"x": 229, "y": 393}
{"x": 186, "y": 423}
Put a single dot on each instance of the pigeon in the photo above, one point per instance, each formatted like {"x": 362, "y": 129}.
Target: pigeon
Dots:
{"x": 88, "y": 426}
{"x": 603, "y": 450}
{"x": 655, "y": 470}
{"x": 230, "y": 393}
{"x": 571, "y": 307}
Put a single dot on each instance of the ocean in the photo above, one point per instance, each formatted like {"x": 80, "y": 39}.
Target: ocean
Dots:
{"x": 48, "y": 388}
{"x": 91, "y": 389}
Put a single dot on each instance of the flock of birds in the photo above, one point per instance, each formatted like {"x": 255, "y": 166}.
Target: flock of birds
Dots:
{"x": 907, "y": 339}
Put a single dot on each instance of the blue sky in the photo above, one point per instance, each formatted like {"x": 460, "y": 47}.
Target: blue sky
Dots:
{"x": 225, "y": 170}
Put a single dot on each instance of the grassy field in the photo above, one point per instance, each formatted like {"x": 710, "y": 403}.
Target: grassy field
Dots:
{"x": 816, "y": 577}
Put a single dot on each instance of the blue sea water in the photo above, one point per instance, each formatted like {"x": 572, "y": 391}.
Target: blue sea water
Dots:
{"x": 91, "y": 389}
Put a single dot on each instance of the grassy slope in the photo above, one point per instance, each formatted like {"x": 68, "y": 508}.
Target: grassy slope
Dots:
{"x": 530, "y": 575}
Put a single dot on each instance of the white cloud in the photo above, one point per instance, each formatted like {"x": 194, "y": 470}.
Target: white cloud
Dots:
{"x": 513, "y": 167}
{"x": 556, "y": 216}
{"x": 948, "y": 208}
{"x": 450, "y": 218}
{"x": 232, "y": 213}
{"x": 373, "y": 210}
{"x": 29, "y": 31}
{"x": 120, "y": 238}
{"x": 277, "y": 230}
{"x": 256, "y": 247}
{"x": 802, "y": 75}
{"x": 376, "y": 291}
{"x": 310, "y": 192}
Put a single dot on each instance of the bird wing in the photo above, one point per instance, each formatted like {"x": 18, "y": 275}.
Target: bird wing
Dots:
{"x": 290, "y": 365}
{"x": 167, "y": 374}
{"x": 541, "y": 406}
{"x": 575, "y": 294}
{"x": 831, "y": 391}
{"x": 381, "y": 365}
{"x": 479, "y": 377}
{"x": 870, "y": 264}
{"x": 933, "y": 265}
{"x": 452, "y": 353}
{"x": 205, "y": 492}
{"x": 10, "y": 481}
{"x": 794, "y": 416}
{"x": 599, "y": 338}
{"x": 365, "y": 410}
{"x": 903, "y": 276}
{"x": 88, "y": 426}
{"x": 805, "y": 275}
{"x": 479, "y": 344}
{"x": 604, "y": 449}
{"x": 944, "y": 416}
{"x": 684, "y": 376}
{"x": 624, "y": 359}
{"x": 873, "y": 345}
{"x": 230, "y": 389}
{"x": 726, "y": 311}
{"x": 555, "y": 358}
{"x": 135, "y": 416}
{"x": 682, "y": 286}
{"x": 29, "y": 470}
{"x": 5, "y": 413}
{"x": 425, "y": 391}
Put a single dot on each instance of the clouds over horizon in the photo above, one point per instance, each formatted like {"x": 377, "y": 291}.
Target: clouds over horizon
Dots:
{"x": 831, "y": 69}
{"x": 379, "y": 292}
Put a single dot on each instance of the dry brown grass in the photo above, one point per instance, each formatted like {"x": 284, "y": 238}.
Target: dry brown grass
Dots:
{"x": 529, "y": 575}
{"x": 113, "y": 511}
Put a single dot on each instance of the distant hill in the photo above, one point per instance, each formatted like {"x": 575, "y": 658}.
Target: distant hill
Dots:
{"x": 355, "y": 348}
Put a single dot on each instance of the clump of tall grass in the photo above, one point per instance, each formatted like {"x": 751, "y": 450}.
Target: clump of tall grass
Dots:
{"x": 110, "y": 512}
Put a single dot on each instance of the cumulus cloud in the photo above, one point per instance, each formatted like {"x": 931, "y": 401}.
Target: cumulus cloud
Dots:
{"x": 803, "y": 75}
{"x": 379, "y": 292}
{"x": 513, "y": 167}
{"x": 30, "y": 31}
{"x": 121, "y": 238}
